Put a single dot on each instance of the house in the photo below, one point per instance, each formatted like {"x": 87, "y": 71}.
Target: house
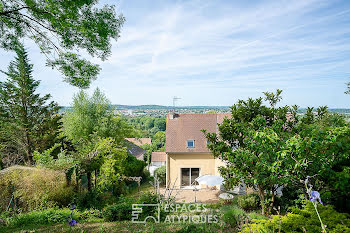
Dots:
{"x": 187, "y": 155}
{"x": 133, "y": 146}
{"x": 140, "y": 141}
{"x": 158, "y": 159}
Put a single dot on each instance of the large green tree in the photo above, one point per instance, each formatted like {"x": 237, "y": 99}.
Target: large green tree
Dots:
{"x": 61, "y": 29}
{"x": 252, "y": 142}
{"x": 29, "y": 122}
{"x": 266, "y": 147}
{"x": 88, "y": 125}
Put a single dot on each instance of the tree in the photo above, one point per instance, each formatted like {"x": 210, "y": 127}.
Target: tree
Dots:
{"x": 348, "y": 91}
{"x": 93, "y": 116}
{"x": 98, "y": 137}
{"x": 29, "y": 122}
{"x": 252, "y": 142}
{"x": 61, "y": 29}
{"x": 160, "y": 123}
{"x": 266, "y": 147}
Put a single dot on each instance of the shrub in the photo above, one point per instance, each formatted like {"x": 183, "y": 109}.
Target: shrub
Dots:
{"x": 49, "y": 216}
{"x": 195, "y": 228}
{"x": 160, "y": 173}
{"x": 254, "y": 215}
{"x": 119, "y": 211}
{"x": 301, "y": 220}
{"x": 34, "y": 188}
{"x": 133, "y": 166}
{"x": 233, "y": 216}
{"x": 249, "y": 201}
{"x": 89, "y": 199}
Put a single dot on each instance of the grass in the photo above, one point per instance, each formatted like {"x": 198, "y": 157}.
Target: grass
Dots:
{"x": 124, "y": 226}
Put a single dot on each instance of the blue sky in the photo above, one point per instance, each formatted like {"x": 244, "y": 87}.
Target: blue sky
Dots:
{"x": 216, "y": 52}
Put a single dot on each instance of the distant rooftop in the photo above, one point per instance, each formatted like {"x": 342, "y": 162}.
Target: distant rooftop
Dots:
{"x": 139, "y": 141}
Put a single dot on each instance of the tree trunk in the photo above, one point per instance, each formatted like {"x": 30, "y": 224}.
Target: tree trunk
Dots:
{"x": 262, "y": 199}
{"x": 272, "y": 199}
{"x": 88, "y": 175}
{"x": 95, "y": 181}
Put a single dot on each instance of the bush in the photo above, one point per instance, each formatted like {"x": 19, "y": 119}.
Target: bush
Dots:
{"x": 43, "y": 217}
{"x": 249, "y": 202}
{"x": 119, "y": 211}
{"x": 133, "y": 166}
{"x": 301, "y": 220}
{"x": 233, "y": 216}
{"x": 254, "y": 215}
{"x": 160, "y": 173}
{"x": 195, "y": 228}
{"x": 34, "y": 188}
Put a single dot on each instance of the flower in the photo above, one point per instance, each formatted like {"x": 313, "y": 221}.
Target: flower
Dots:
{"x": 72, "y": 222}
{"x": 315, "y": 196}
{"x": 73, "y": 207}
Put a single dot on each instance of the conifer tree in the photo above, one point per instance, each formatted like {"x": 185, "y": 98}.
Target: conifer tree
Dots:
{"x": 29, "y": 123}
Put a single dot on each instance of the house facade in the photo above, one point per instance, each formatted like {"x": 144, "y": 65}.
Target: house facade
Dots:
{"x": 158, "y": 159}
{"x": 187, "y": 155}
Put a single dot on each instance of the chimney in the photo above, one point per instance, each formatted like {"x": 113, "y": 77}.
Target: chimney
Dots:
{"x": 173, "y": 115}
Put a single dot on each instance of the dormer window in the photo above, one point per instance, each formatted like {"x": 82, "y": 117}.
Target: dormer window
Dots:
{"x": 190, "y": 143}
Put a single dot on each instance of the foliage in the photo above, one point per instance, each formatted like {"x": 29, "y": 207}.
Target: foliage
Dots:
{"x": 150, "y": 198}
{"x": 119, "y": 211}
{"x": 29, "y": 123}
{"x": 249, "y": 201}
{"x": 61, "y": 29}
{"x": 42, "y": 217}
{"x": 301, "y": 220}
{"x": 113, "y": 162}
{"x": 233, "y": 216}
{"x": 98, "y": 137}
{"x": 197, "y": 227}
{"x": 160, "y": 173}
{"x": 34, "y": 188}
{"x": 267, "y": 147}
{"x": 148, "y": 126}
{"x": 254, "y": 215}
{"x": 93, "y": 117}
{"x": 252, "y": 142}
{"x": 133, "y": 166}
{"x": 89, "y": 199}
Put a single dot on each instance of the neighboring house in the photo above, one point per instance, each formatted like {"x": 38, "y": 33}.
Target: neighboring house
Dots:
{"x": 140, "y": 141}
{"x": 133, "y": 146}
{"x": 187, "y": 155}
{"x": 158, "y": 159}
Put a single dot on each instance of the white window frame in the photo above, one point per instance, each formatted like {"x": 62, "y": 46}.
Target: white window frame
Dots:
{"x": 189, "y": 141}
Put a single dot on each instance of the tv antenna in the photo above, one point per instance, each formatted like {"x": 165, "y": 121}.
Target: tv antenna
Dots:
{"x": 175, "y": 98}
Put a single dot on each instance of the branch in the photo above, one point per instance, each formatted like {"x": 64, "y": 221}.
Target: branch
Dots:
{"x": 13, "y": 11}
{"x": 44, "y": 26}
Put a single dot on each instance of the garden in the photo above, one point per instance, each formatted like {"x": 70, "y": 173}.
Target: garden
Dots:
{"x": 68, "y": 169}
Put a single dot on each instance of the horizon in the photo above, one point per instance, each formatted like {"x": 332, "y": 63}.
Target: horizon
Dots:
{"x": 212, "y": 54}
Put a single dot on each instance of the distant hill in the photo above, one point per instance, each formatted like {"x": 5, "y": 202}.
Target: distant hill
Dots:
{"x": 155, "y": 107}
{"x": 162, "y": 107}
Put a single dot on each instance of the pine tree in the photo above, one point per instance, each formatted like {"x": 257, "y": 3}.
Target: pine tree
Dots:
{"x": 29, "y": 122}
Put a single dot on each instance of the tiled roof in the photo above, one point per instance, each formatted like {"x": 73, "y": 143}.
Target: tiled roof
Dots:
{"x": 140, "y": 141}
{"x": 158, "y": 156}
{"x": 135, "y": 150}
{"x": 187, "y": 126}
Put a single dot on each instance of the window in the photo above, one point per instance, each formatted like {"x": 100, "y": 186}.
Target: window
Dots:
{"x": 190, "y": 143}
{"x": 188, "y": 176}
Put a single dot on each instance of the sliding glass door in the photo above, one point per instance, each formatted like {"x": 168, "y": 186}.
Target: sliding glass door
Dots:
{"x": 188, "y": 176}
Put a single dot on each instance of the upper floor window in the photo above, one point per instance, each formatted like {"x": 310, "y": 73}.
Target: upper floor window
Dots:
{"x": 190, "y": 143}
